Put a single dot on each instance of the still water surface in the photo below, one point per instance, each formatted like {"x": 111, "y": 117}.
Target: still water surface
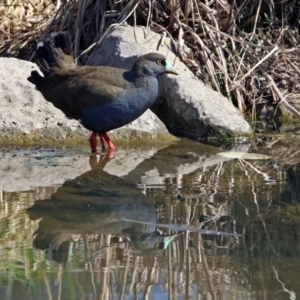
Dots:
{"x": 63, "y": 233}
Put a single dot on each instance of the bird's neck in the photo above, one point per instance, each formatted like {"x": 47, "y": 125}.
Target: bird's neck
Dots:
{"x": 139, "y": 76}
{"x": 146, "y": 94}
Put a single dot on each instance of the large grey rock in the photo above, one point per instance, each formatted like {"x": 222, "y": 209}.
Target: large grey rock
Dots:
{"x": 26, "y": 116}
{"x": 185, "y": 104}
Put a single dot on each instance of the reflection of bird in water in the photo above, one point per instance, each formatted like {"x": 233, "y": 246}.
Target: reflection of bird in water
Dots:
{"x": 93, "y": 218}
{"x": 97, "y": 203}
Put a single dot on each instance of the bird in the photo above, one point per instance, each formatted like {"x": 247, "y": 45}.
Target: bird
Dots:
{"x": 102, "y": 98}
{"x": 60, "y": 220}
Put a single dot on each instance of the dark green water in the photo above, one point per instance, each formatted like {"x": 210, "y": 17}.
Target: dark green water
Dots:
{"x": 63, "y": 233}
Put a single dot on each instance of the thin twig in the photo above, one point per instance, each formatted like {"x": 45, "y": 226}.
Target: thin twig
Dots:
{"x": 253, "y": 68}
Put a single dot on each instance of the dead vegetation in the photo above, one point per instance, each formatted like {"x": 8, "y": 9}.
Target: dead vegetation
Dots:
{"x": 247, "y": 50}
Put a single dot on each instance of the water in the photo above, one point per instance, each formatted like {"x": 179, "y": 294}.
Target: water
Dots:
{"x": 63, "y": 233}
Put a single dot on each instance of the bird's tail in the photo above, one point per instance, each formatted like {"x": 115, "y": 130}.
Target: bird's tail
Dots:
{"x": 55, "y": 51}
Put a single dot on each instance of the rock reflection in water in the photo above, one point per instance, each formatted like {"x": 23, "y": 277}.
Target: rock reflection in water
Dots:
{"x": 84, "y": 217}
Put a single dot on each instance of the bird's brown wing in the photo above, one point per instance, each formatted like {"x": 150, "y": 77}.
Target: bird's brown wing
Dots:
{"x": 75, "y": 90}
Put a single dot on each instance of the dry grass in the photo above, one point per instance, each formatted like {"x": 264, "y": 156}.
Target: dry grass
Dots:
{"x": 247, "y": 50}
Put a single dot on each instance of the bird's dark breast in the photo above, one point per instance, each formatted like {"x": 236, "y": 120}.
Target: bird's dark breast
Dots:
{"x": 120, "y": 111}
{"x": 101, "y": 119}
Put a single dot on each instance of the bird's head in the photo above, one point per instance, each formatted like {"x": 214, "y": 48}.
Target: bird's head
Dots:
{"x": 153, "y": 64}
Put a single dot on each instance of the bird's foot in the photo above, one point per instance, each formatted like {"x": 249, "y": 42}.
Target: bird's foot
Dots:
{"x": 104, "y": 139}
{"x": 110, "y": 153}
{"x": 109, "y": 143}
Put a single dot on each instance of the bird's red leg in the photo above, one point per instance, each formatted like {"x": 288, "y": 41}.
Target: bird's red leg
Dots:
{"x": 111, "y": 146}
{"x": 104, "y": 138}
{"x": 102, "y": 142}
{"x": 109, "y": 143}
{"x": 93, "y": 142}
